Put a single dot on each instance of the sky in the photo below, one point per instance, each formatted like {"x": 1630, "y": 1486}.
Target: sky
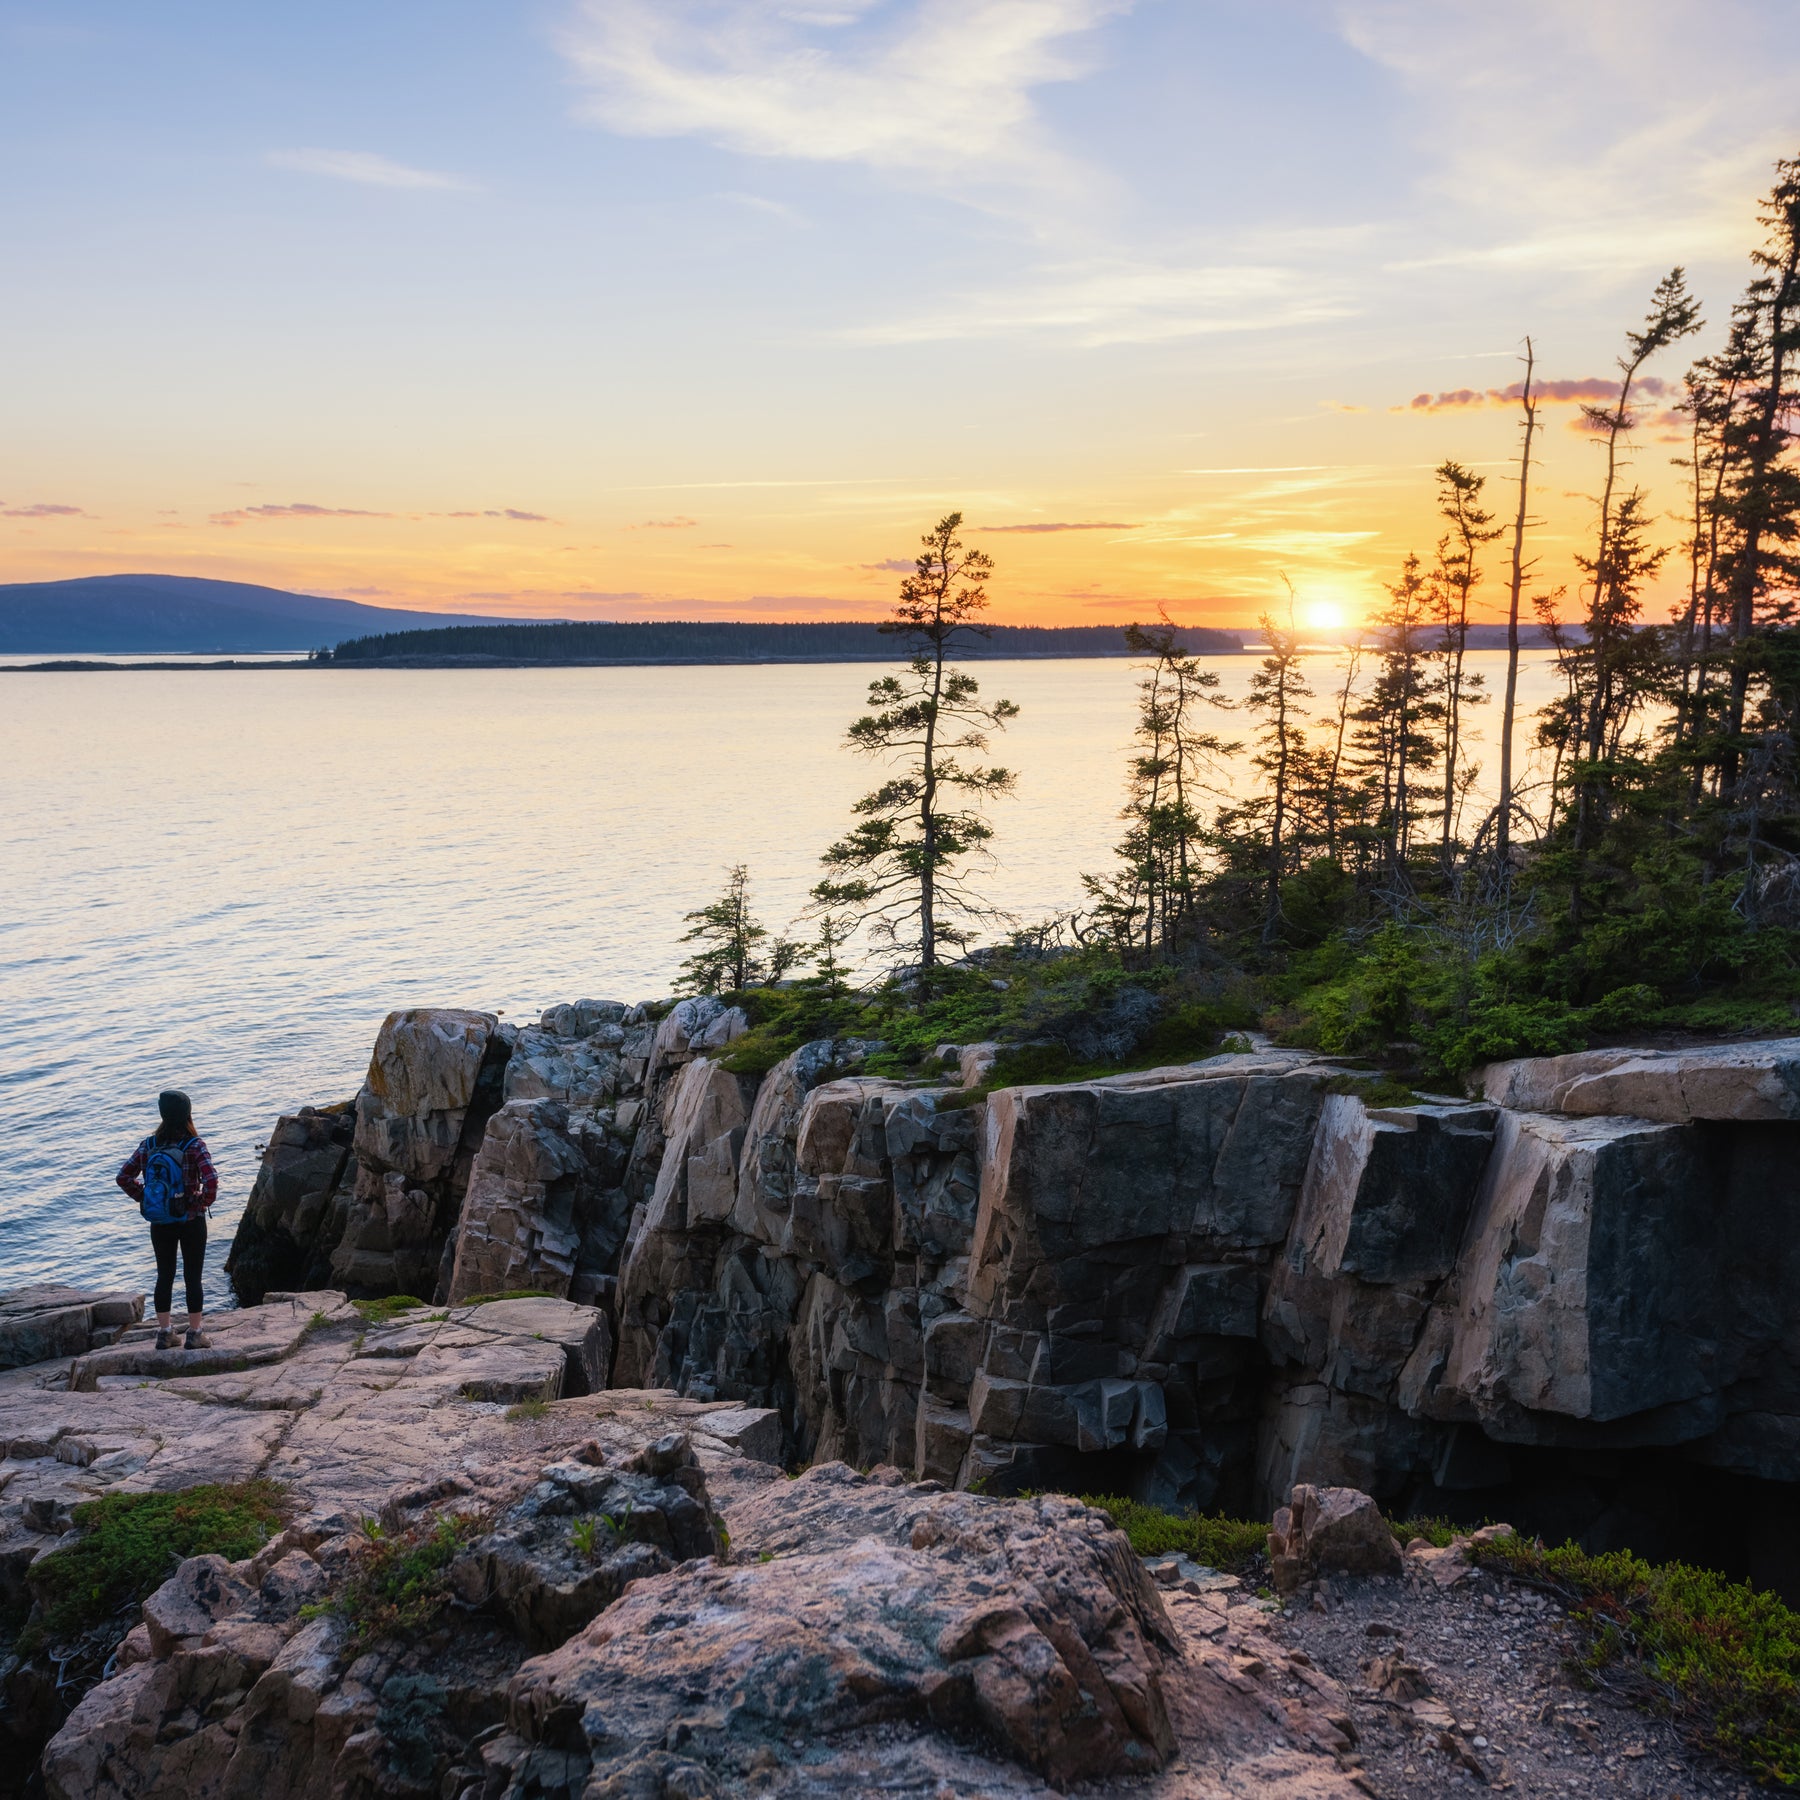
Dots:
{"x": 708, "y": 308}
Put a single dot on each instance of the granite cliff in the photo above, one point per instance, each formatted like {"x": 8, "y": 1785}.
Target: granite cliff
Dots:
{"x": 1215, "y": 1283}
{"x": 1198, "y": 1284}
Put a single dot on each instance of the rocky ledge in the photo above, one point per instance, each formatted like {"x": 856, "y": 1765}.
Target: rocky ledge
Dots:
{"x": 638, "y": 1601}
{"x": 1573, "y": 1299}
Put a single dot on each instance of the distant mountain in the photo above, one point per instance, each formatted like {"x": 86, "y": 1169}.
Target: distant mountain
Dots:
{"x": 112, "y": 613}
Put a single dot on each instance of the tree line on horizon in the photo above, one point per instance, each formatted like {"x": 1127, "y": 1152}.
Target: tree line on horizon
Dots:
{"x": 1650, "y": 876}
{"x": 721, "y": 640}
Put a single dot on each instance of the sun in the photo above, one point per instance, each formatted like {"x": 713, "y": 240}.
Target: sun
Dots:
{"x": 1323, "y": 615}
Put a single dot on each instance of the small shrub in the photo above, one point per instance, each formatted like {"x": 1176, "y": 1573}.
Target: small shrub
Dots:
{"x": 387, "y": 1309}
{"x": 1219, "y": 1543}
{"x": 1373, "y": 1090}
{"x": 1720, "y": 1655}
{"x": 399, "y": 1585}
{"x": 130, "y": 1544}
{"x": 1435, "y": 1531}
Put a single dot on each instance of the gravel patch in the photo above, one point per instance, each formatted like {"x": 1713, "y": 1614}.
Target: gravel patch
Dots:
{"x": 1466, "y": 1686}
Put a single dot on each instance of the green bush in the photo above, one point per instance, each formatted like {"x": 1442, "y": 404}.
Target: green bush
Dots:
{"x": 130, "y": 1544}
{"x": 400, "y": 1585}
{"x": 1722, "y": 1656}
{"x": 1219, "y": 1543}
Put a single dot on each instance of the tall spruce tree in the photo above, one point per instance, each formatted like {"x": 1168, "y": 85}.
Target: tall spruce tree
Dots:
{"x": 1396, "y": 737}
{"x": 1151, "y": 904}
{"x": 1278, "y": 693}
{"x": 903, "y": 867}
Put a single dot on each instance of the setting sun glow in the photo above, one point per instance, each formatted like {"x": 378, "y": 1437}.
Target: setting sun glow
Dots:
{"x": 1323, "y": 615}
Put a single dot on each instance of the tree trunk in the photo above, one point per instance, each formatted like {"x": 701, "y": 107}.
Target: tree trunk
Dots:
{"x": 1504, "y": 831}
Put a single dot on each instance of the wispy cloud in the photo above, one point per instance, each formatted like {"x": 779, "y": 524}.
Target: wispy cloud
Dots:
{"x": 933, "y": 88}
{"x": 681, "y": 522}
{"x": 365, "y": 168}
{"x": 889, "y": 565}
{"x": 1608, "y": 136}
{"x": 1126, "y": 300}
{"x": 761, "y": 203}
{"x": 42, "y": 509}
{"x": 500, "y": 512}
{"x": 1059, "y": 525}
{"x": 293, "y": 509}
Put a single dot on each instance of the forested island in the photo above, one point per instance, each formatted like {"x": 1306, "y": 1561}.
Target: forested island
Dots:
{"x": 727, "y": 641}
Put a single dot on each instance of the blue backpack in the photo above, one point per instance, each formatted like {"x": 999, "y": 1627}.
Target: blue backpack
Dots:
{"x": 165, "y": 1182}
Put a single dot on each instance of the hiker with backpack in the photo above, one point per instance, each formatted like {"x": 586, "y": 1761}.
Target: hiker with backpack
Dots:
{"x": 171, "y": 1178}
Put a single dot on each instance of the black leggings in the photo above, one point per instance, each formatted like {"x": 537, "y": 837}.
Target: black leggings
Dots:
{"x": 190, "y": 1235}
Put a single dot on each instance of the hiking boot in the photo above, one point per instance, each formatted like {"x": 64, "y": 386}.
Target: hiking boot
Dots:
{"x": 165, "y": 1339}
{"x": 196, "y": 1340}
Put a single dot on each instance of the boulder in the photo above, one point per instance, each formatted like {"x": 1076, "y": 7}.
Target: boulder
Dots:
{"x": 1741, "y": 1083}
{"x": 561, "y": 1555}
{"x": 1031, "y": 1622}
{"x": 1330, "y": 1531}
{"x": 543, "y": 1198}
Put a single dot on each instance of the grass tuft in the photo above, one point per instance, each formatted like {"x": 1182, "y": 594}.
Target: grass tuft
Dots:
{"x": 1219, "y": 1543}
{"x": 527, "y": 1409}
{"x": 1435, "y": 1531}
{"x": 130, "y": 1544}
{"x": 511, "y": 1294}
{"x": 388, "y": 1308}
{"x": 1720, "y": 1656}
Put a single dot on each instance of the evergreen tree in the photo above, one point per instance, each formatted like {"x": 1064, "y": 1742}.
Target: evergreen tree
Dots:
{"x": 1454, "y": 581}
{"x": 1278, "y": 691}
{"x": 902, "y": 867}
{"x": 731, "y": 959}
{"x": 1152, "y": 904}
{"x": 1396, "y": 725}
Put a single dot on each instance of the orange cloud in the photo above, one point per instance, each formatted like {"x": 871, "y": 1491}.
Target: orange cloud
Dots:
{"x": 681, "y": 522}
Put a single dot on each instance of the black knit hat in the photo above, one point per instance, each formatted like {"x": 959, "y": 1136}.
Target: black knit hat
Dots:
{"x": 176, "y": 1109}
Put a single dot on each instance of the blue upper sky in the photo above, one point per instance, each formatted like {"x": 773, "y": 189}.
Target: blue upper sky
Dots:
{"x": 719, "y": 300}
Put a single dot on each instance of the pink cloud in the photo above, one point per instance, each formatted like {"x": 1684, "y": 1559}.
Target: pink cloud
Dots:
{"x": 294, "y": 509}
{"x": 1601, "y": 390}
{"x": 42, "y": 509}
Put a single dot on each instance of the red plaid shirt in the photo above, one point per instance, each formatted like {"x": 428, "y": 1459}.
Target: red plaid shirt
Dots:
{"x": 200, "y": 1181}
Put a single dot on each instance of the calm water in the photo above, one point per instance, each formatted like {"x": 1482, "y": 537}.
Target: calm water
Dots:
{"x": 223, "y": 881}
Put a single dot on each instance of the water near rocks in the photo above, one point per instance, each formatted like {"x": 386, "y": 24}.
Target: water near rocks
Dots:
{"x": 224, "y": 881}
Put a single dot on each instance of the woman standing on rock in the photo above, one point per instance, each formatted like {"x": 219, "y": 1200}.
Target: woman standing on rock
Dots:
{"x": 171, "y": 1178}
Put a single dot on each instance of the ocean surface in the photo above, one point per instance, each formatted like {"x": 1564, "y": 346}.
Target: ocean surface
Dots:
{"x": 224, "y": 880}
